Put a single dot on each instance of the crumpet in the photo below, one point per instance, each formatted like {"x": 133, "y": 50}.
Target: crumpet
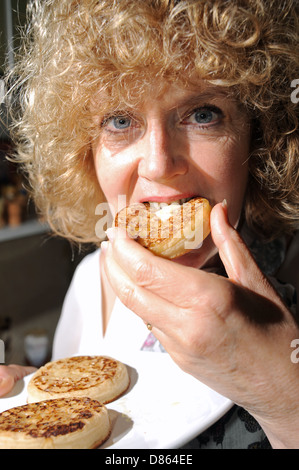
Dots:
{"x": 63, "y": 423}
{"x": 98, "y": 377}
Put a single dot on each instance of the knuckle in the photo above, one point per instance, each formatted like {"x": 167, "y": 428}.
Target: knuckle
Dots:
{"x": 229, "y": 300}
{"x": 127, "y": 295}
{"x": 195, "y": 343}
{"x": 143, "y": 273}
{"x": 190, "y": 335}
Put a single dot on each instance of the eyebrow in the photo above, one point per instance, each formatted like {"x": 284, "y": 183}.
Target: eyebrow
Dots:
{"x": 211, "y": 94}
{"x": 195, "y": 97}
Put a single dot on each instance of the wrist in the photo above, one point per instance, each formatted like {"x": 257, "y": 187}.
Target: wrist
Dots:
{"x": 282, "y": 431}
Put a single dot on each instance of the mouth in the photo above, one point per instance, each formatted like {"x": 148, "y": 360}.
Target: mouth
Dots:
{"x": 165, "y": 210}
{"x": 158, "y": 205}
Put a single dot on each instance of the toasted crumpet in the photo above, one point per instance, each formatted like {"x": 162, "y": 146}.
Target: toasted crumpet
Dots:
{"x": 63, "y": 423}
{"x": 98, "y": 377}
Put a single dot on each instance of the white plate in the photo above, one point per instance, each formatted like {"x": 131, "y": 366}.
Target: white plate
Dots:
{"x": 164, "y": 408}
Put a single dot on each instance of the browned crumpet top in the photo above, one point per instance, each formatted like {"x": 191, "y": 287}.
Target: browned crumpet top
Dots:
{"x": 75, "y": 373}
{"x": 51, "y": 417}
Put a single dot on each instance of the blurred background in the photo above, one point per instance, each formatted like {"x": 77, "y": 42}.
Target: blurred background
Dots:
{"x": 35, "y": 267}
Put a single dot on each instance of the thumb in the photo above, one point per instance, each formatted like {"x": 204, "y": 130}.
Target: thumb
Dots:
{"x": 9, "y": 375}
{"x": 236, "y": 257}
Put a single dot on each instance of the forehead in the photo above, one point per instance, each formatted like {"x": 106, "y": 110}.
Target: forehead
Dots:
{"x": 177, "y": 93}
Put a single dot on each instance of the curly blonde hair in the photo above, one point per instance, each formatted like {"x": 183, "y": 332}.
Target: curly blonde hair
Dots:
{"x": 75, "y": 48}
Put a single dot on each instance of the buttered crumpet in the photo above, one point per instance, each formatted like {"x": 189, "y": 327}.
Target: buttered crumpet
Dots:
{"x": 63, "y": 423}
{"x": 98, "y": 377}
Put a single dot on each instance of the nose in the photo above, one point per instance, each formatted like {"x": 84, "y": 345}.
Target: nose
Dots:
{"x": 162, "y": 157}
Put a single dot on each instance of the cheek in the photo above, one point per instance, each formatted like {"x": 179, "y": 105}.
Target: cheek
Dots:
{"x": 231, "y": 175}
{"x": 112, "y": 175}
{"x": 234, "y": 177}
{"x": 104, "y": 171}
{"x": 224, "y": 170}
{"x": 234, "y": 183}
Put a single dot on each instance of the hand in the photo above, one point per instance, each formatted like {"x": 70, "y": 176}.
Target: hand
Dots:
{"x": 9, "y": 375}
{"x": 232, "y": 333}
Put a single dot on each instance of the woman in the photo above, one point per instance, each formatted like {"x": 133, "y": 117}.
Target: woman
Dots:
{"x": 157, "y": 101}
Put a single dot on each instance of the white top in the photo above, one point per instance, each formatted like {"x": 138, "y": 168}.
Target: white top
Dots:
{"x": 80, "y": 330}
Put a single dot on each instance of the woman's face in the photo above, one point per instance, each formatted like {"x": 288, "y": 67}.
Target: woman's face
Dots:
{"x": 183, "y": 142}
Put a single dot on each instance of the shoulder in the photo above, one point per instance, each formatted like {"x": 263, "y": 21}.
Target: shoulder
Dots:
{"x": 89, "y": 262}
{"x": 88, "y": 269}
{"x": 85, "y": 281}
{"x": 80, "y": 303}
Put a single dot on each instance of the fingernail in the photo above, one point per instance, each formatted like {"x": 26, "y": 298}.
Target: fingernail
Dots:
{"x": 110, "y": 233}
{"x": 104, "y": 246}
{"x": 224, "y": 203}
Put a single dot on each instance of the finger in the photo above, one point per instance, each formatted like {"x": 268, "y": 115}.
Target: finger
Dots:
{"x": 236, "y": 257}
{"x": 171, "y": 324}
{"x": 173, "y": 282}
{"x": 9, "y": 375}
{"x": 149, "y": 306}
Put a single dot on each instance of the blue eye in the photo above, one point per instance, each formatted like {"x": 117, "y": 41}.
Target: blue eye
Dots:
{"x": 117, "y": 123}
{"x": 121, "y": 122}
{"x": 203, "y": 116}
